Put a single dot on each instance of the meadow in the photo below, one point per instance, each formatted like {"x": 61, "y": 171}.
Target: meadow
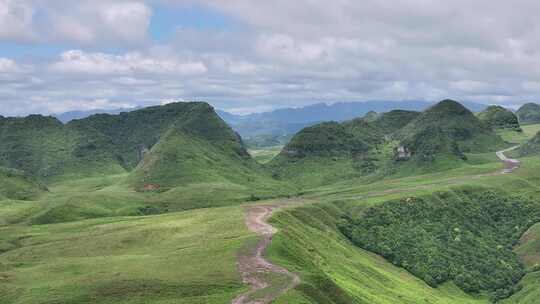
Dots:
{"x": 97, "y": 240}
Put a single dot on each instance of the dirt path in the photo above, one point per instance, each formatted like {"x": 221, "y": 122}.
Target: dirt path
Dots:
{"x": 510, "y": 164}
{"x": 253, "y": 266}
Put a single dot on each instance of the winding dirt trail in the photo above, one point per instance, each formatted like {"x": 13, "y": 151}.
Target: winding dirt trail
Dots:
{"x": 253, "y": 267}
{"x": 510, "y": 164}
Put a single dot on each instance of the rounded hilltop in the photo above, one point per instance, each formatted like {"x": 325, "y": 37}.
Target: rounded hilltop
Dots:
{"x": 497, "y": 117}
{"x": 529, "y": 113}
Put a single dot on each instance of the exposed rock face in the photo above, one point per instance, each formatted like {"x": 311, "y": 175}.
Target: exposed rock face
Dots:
{"x": 141, "y": 151}
{"x": 402, "y": 153}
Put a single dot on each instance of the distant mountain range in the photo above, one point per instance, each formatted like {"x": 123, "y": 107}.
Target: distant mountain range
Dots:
{"x": 72, "y": 115}
{"x": 287, "y": 121}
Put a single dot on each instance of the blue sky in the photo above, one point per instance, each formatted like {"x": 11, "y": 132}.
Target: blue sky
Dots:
{"x": 249, "y": 56}
{"x": 166, "y": 20}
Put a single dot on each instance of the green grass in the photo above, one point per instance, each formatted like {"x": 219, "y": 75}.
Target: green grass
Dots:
{"x": 529, "y": 247}
{"x": 110, "y": 196}
{"x": 309, "y": 244}
{"x": 531, "y": 130}
{"x": 265, "y": 155}
{"x": 186, "y": 257}
{"x": 441, "y": 138}
{"x": 519, "y": 138}
{"x": 530, "y": 292}
{"x": 17, "y": 185}
{"x": 335, "y": 271}
{"x": 130, "y": 262}
{"x": 96, "y": 240}
{"x": 46, "y": 149}
{"x": 529, "y": 114}
{"x": 529, "y": 252}
{"x": 497, "y": 117}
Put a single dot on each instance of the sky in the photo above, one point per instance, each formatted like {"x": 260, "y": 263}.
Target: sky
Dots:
{"x": 248, "y": 56}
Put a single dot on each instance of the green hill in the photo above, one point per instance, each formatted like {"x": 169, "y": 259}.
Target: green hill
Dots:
{"x": 45, "y": 148}
{"x": 529, "y": 114}
{"x": 350, "y": 138}
{"x": 329, "y": 139}
{"x": 371, "y": 116}
{"x": 389, "y": 123}
{"x": 447, "y": 130}
{"x": 134, "y": 133}
{"x": 531, "y": 147}
{"x": 498, "y": 117}
{"x": 16, "y": 185}
{"x": 436, "y": 139}
{"x": 326, "y": 152}
{"x": 198, "y": 147}
{"x": 163, "y": 146}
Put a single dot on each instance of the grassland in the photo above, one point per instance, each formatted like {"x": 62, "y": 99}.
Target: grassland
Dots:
{"x": 265, "y": 155}
{"x": 309, "y": 243}
{"x": 335, "y": 271}
{"x": 186, "y": 257}
{"x": 97, "y": 240}
{"x": 17, "y": 185}
{"x": 514, "y": 137}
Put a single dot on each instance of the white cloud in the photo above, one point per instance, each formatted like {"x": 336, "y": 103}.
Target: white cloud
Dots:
{"x": 16, "y": 20}
{"x": 9, "y": 66}
{"x": 109, "y": 21}
{"x": 84, "y": 22}
{"x": 79, "y": 62}
{"x": 48, "y": 105}
{"x": 278, "y": 53}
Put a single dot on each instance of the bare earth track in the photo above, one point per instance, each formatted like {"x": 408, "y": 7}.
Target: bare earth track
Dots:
{"x": 253, "y": 266}
{"x": 510, "y": 164}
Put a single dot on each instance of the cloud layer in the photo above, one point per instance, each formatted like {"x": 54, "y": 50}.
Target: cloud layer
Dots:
{"x": 279, "y": 53}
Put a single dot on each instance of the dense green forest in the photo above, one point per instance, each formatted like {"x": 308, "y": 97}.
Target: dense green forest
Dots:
{"x": 465, "y": 237}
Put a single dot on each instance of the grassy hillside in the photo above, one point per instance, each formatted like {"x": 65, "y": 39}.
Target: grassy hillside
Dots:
{"x": 265, "y": 155}
{"x": 323, "y": 153}
{"x": 333, "y": 270}
{"x": 531, "y": 147}
{"x": 309, "y": 244}
{"x": 447, "y": 130}
{"x": 529, "y": 114}
{"x": 187, "y": 257}
{"x": 16, "y": 185}
{"x": 529, "y": 252}
{"x": 93, "y": 238}
{"x": 45, "y": 148}
{"x": 498, "y": 117}
{"x": 198, "y": 147}
{"x": 137, "y": 131}
{"x": 390, "y": 122}
{"x": 165, "y": 146}
{"x": 439, "y": 138}
{"x": 267, "y": 141}
{"x": 190, "y": 257}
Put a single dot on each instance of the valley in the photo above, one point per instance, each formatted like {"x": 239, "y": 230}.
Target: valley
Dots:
{"x": 194, "y": 218}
